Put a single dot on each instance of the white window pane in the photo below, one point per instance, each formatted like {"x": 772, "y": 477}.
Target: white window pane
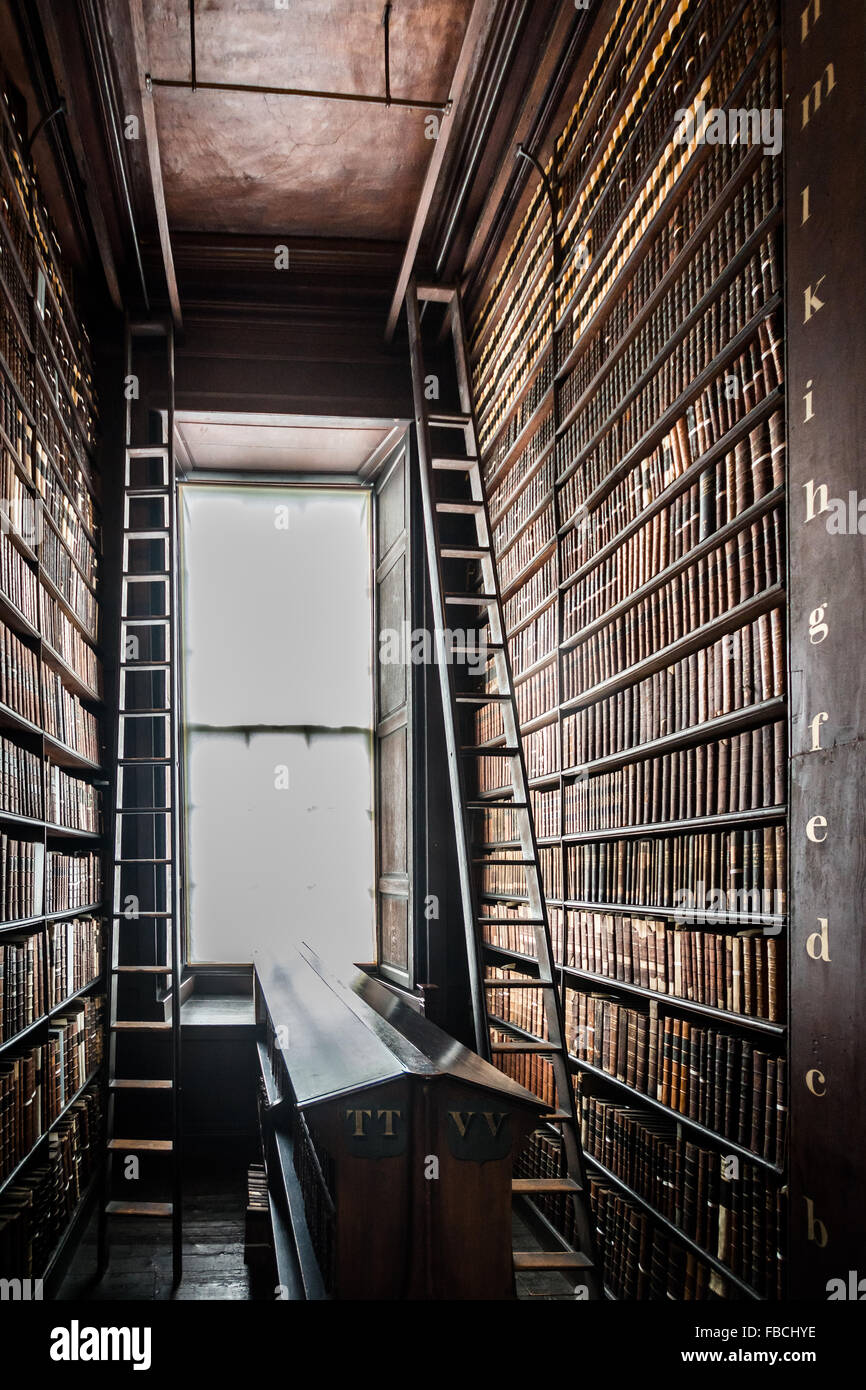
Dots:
{"x": 277, "y": 618}
{"x": 277, "y": 628}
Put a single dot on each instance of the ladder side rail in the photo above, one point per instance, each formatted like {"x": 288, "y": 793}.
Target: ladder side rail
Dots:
{"x": 455, "y": 769}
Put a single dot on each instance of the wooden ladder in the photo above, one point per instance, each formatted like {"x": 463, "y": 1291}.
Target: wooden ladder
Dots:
{"x": 143, "y": 947}
{"x": 464, "y": 581}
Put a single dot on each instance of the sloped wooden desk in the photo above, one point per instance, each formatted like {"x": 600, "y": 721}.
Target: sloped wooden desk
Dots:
{"x": 388, "y": 1145}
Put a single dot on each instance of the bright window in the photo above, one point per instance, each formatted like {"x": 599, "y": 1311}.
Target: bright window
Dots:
{"x": 277, "y": 721}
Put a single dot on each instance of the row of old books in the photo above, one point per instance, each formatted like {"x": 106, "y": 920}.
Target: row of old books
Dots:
{"x": 37, "y": 1207}
{"x": 72, "y": 880}
{"x": 540, "y": 750}
{"x": 757, "y": 198}
{"x": 64, "y": 638}
{"x": 641, "y": 1258}
{"x": 20, "y": 781}
{"x": 527, "y": 598}
{"x": 72, "y": 802}
{"x": 696, "y": 279}
{"x": 686, "y": 871}
{"x": 74, "y": 956}
{"x": 598, "y": 511}
{"x": 743, "y": 668}
{"x": 64, "y": 516}
{"x": 532, "y": 1069}
{"x": 497, "y": 825}
{"x": 534, "y": 697}
{"x": 22, "y": 982}
{"x": 73, "y": 1051}
{"x": 510, "y": 931}
{"x": 731, "y": 1208}
{"x": 31, "y": 983}
{"x": 700, "y": 421}
{"x": 21, "y": 864}
{"x": 534, "y": 640}
{"x": 17, "y": 579}
{"x": 67, "y": 719}
{"x": 19, "y": 675}
{"x": 715, "y": 1078}
{"x": 745, "y": 566}
{"x": 507, "y": 492}
{"x": 741, "y": 971}
{"x": 529, "y": 543}
{"x": 502, "y": 373}
{"x": 520, "y": 506}
{"x": 652, "y": 69}
{"x": 67, "y": 578}
{"x": 506, "y": 878}
{"x": 744, "y": 772}
{"x": 641, "y": 162}
{"x": 722, "y": 492}
{"x": 524, "y": 1007}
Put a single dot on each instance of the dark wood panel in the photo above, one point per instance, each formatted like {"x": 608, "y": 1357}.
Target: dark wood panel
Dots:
{"x": 826, "y": 307}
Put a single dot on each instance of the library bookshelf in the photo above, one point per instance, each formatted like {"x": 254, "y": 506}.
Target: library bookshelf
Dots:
{"x": 627, "y": 358}
{"x": 52, "y": 965}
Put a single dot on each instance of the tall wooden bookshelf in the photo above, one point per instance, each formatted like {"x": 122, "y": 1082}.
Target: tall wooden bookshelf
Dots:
{"x": 51, "y": 852}
{"x": 628, "y": 372}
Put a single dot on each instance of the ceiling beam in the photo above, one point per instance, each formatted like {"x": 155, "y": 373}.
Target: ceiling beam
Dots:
{"x": 136, "y": 27}
{"x": 477, "y": 28}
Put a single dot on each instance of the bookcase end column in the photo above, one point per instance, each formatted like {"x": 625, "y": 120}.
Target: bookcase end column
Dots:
{"x": 825, "y": 220}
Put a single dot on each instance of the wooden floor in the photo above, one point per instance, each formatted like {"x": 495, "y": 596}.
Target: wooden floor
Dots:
{"x": 140, "y": 1268}
{"x": 213, "y": 1251}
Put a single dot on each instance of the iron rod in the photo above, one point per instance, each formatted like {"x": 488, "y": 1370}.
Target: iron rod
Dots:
{"x": 186, "y": 85}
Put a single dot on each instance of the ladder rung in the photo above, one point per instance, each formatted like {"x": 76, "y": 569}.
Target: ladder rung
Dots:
{"x": 144, "y": 762}
{"x": 501, "y": 863}
{"x": 464, "y": 552}
{"x": 486, "y": 806}
{"x": 449, "y": 422}
{"x": 141, "y": 970}
{"x": 522, "y": 1047}
{"x": 556, "y": 1117}
{"x": 442, "y": 294}
{"x": 458, "y": 649}
{"x": 149, "y": 712}
{"x": 483, "y": 699}
{"x": 520, "y": 1185}
{"x": 476, "y": 600}
{"x": 125, "y": 859}
{"x": 139, "y": 1026}
{"x": 460, "y": 508}
{"x": 447, "y": 465}
{"x": 509, "y": 921}
{"x": 121, "y": 916}
{"x": 131, "y": 1083}
{"x": 551, "y": 1259}
{"x": 139, "y": 1208}
{"x": 142, "y": 1145}
{"x": 518, "y": 984}
{"x": 145, "y": 451}
{"x": 482, "y": 750}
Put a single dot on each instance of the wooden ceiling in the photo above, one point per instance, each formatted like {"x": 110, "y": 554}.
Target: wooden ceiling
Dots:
{"x": 188, "y": 215}
{"x": 288, "y": 165}
{"x": 212, "y": 441}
